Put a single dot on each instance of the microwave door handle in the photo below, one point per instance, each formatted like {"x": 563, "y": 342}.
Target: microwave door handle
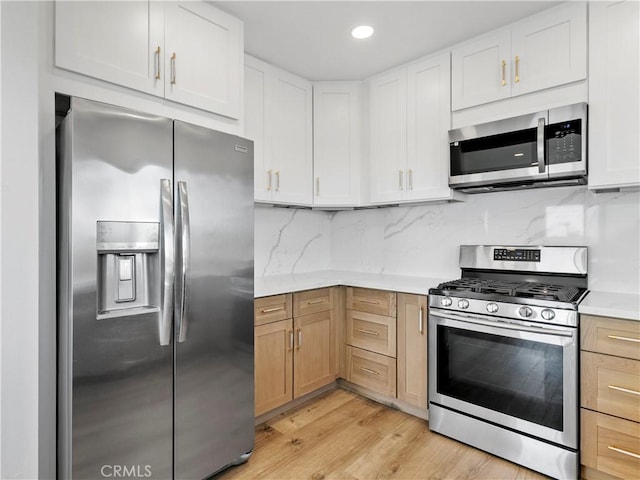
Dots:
{"x": 540, "y": 144}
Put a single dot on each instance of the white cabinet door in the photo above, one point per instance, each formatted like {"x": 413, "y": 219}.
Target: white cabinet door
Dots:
{"x": 388, "y": 136}
{"x": 614, "y": 89}
{"x": 549, "y": 49}
{"x": 428, "y": 124}
{"x": 256, "y": 124}
{"x": 119, "y": 42}
{"x": 480, "y": 70}
{"x": 291, "y": 141}
{"x": 336, "y": 144}
{"x": 203, "y": 53}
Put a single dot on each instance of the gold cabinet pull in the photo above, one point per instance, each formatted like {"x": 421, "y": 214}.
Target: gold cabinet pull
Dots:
{"x": 624, "y": 339}
{"x": 400, "y": 179}
{"x": 317, "y": 186}
{"x": 504, "y": 73}
{"x": 278, "y": 180}
{"x": 625, "y": 390}
{"x": 173, "y": 68}
{"x": 290, "y": 340}
{"x": 517, "y": 79}
{"x": 368, "y": 370}
{"x": 269, "y": 182}
{"x": 299, "y": 338}
{"x": 316, "y": 301}
{"x": 366, "y": 300}
{"x": 157, "y": 57}
{"x": 624, "y": 452}
{"x": 420, "y": 322}
{"x": 410, "y": 179}
{"x": 368, "y": 332}
{"x": 273, "y": 309}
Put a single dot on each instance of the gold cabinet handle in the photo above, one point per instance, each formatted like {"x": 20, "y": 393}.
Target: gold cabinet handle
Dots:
{"x": 157, "y": 57}
{"x": 273, "y": 309}
{"x": 173, "y": 68}
{"x": 625, "y": 390}
{"x": 278, "y": 180}
{"x": 366, "y": 300}
{"x": 317, "y": 186}
{"x": 368, "y": 370}
{"x": 517, "y": 79}
{"x": 400, "y": 179}
{"x": 299, "y": 338}
{"x": 420, "y": 322}
{"x": 316, "y": 301}
{"x": 410, "y": 179}
{"x": 290, "y": 340}
{"x": 504, "y": 73}
{"x": 624, "y": 339}
{"x": 269, "y": 173}
{"x": 624, "y": 452}
{"x": 368, "y": 332}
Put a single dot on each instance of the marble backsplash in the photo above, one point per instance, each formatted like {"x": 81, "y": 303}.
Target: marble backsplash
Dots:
{"x": 423, "y": 240}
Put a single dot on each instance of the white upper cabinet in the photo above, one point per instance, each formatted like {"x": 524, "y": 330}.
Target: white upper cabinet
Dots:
{"x": 188, "y": 52}
{"x": 410, "y": 117}
{"x": 540, "y": 52}
{"x": 614, "y": 89}
{"x": 278, "y": 118}
{"x": 336, "y": 143}
{"x": 203, "y": 54}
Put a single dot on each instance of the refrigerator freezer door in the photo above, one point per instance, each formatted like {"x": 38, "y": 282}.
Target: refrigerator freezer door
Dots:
{"x": 115, "y": 377}
{"x": 214, "y": 359}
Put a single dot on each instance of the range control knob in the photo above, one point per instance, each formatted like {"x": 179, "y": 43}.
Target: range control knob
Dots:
{"x": 446, "y": 302}
{"x": 492, "y": 307}
{"x": 463, "y": 303}
{"x": 548, "y": 314}
{"x": 525, "y": 312}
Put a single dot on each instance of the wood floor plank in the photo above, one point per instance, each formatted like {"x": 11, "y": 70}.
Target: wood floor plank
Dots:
{"x": 341, "y": 435}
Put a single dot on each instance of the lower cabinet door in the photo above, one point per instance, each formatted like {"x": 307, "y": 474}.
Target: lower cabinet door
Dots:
{"x": 314, "y": 355}
{"x": 273, "y": 365}
{"x": 412, "y": 349}
{"x": 371, "y": 370}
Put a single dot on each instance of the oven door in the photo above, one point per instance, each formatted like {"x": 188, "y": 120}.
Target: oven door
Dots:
{"x": 510, "y": 373}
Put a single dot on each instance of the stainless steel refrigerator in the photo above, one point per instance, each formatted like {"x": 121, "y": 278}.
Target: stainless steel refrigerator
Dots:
{"x": 155, "y": 296}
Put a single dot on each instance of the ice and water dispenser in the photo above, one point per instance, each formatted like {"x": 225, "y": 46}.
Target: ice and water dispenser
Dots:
{"x": 128, "y": 268}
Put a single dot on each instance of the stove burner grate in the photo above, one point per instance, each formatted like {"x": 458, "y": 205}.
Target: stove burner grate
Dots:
{"x": 539, "y": 291}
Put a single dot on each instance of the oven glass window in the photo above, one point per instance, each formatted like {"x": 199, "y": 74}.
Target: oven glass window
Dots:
{"x": 520, "y": 378}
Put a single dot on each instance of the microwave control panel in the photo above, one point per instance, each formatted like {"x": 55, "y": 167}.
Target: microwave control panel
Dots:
{"x": 564, "y": 142}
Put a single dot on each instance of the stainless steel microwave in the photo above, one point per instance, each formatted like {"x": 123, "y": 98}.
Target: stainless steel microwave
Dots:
{"x": 547, "y": 148}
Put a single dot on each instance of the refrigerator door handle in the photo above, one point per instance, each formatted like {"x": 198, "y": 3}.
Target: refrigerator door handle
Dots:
{"x": 166, "y": 260}
{"x": 185, "y": 244}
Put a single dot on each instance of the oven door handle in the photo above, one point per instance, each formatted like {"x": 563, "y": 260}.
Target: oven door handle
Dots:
{"x": 503, "y": 325}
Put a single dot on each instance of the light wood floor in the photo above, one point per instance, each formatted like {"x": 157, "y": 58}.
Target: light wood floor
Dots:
{"x": 342, "y": 435}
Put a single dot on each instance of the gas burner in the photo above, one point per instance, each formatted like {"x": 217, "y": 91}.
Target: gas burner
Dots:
{"x": 543, "y": 291}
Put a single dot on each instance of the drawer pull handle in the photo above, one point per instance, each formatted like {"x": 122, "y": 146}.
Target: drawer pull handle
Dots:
{"x": 625, "y": 339}
{"x": 290, "y": 340}
{"x": 624, "y": 452}
{"x": 315, "y": 302}
{"x": 373, "y": 372}
{"x": 372, "y": 302}
{"x": 368, "y": 332}
{"x": 299, "y": 338}
{"x": 270, "y": 310}
{"x": 625, "y": 390}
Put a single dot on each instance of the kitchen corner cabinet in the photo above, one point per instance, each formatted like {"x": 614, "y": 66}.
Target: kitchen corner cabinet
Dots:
{"x": 336, "y": 143}
{"x": 412, "y": 349}
{"x": 187, "y": 52}
{"x": 294, "y": 346}
{"x": 278, "y": 118}
{"x": 409, "y": 114}
{"x": 614, "y": 95}
{"x": 542, "y": 51}
{"x": 610, "y": 398}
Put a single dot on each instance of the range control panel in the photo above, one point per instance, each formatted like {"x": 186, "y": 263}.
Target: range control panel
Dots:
{"x": 516, "y": 254}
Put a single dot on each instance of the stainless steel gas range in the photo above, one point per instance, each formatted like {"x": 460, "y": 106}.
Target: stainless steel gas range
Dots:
{"x": 503, "y": 354}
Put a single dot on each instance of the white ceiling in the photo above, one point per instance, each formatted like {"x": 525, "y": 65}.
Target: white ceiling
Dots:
{"x": 313, "y": 40}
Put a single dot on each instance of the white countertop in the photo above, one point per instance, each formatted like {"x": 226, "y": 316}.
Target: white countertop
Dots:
{"x": 277, "y": 284}
{"x": 608, "y": 304}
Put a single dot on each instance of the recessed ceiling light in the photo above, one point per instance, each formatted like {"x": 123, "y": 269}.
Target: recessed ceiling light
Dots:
{"x": 363, "y": 31}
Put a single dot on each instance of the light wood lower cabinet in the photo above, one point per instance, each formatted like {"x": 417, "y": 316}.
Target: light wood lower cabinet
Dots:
{"x": 412, "y": 349}
{"x": 314, "y": 359}
{"x": 371, "y": 370}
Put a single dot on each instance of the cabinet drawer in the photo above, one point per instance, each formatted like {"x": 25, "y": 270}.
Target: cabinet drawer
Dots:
{"x": 375, "y": 333}
{"x": 611, "y": 336}
{"x": 272, "y": 309}
{"x": 311, "y": 301}
{"x": 610, "y": 445}
{"x": 371, "y": 301}
{"x": 371, "y": 370}
{"x": 611, "y": 385}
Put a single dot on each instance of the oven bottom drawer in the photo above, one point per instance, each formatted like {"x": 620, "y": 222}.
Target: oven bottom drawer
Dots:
{"x": 610, "y": 444}
{"x": 551, "y": 460}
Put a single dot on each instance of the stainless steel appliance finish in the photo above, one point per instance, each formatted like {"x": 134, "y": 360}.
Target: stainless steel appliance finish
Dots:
{"x": 155, "y": 296}
{"x": 503, "y": 354}
{"x": 546, "y": 148}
